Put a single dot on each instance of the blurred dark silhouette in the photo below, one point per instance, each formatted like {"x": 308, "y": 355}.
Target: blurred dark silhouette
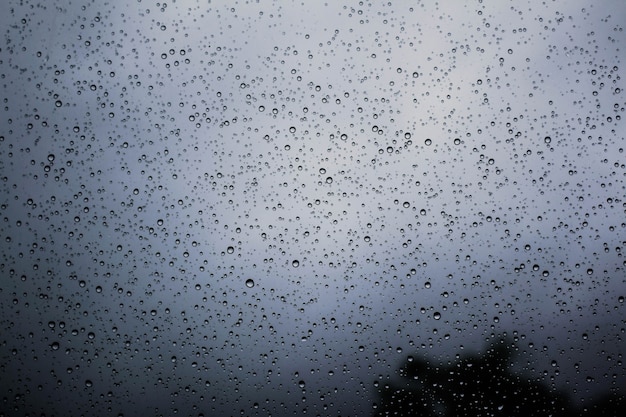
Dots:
{"x": 480, "y": 385}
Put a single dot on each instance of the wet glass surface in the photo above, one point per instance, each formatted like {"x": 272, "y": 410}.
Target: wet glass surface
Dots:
{"x": 275, "y": 208}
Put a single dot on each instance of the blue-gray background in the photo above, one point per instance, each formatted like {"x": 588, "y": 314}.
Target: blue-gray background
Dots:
{"x": 393, "y": 177}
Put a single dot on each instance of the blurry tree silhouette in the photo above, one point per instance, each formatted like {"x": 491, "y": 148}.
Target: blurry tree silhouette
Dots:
{"x": 611, "y": 405}
{"x": 480, "y": 385}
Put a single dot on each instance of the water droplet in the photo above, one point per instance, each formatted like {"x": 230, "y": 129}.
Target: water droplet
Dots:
{"x": 295, "y": 263}
{"x": 249, "y": 283}
{"x": 437, "y": 315}
{"x": 428, "y": 142}
{"x": 230, "y": 249}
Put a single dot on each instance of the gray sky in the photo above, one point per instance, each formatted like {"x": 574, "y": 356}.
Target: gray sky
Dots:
{"x": 464, "y": 160}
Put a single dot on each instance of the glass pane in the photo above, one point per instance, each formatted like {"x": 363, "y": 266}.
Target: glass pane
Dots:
{"x": 342, "y": 208}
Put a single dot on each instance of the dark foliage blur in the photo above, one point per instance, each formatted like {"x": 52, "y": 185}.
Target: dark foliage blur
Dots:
{"x": 481, "y": 385}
